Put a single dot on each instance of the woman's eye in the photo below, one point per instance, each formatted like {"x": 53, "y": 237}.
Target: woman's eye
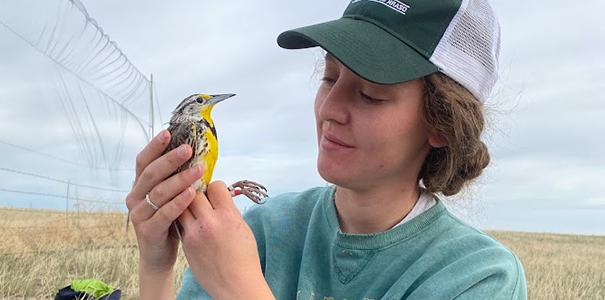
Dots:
{"x": 371, "y": 99}
{"x": 328, "y": 80}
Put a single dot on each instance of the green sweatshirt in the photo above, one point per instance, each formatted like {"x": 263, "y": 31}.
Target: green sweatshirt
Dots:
{"x": 305, "y": 256}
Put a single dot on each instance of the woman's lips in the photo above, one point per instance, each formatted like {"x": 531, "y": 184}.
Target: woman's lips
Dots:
{"x": 329, "y": 142}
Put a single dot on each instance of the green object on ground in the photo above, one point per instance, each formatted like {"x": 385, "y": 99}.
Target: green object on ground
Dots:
{"x": 94, "y": 287}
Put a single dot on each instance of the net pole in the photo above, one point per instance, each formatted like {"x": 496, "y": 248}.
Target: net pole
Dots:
{"x": 67, "y": 204}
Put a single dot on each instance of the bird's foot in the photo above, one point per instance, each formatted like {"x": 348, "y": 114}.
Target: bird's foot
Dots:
{"x": 254, "y": 191}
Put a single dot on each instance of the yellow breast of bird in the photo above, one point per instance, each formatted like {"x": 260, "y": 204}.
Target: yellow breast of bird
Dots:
{"x": 203, "y": 140}
{"x": 207, "y": 154}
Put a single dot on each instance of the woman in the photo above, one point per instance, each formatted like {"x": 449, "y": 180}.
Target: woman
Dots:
{"x": 399, "y": 117}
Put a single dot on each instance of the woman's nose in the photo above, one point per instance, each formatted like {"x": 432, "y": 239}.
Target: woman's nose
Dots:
{"x": 335, "y": 105}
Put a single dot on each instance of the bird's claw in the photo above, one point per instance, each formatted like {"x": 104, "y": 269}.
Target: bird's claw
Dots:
{"x": 254, "y": 191}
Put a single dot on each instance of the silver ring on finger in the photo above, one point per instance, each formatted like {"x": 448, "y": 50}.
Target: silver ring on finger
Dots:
{"x": 150, "y": 203}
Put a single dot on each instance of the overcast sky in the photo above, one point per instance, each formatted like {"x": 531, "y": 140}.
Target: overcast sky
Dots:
{"x": 546, "y": 116}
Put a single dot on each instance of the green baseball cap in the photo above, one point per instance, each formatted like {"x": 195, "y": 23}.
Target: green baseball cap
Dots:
{"x": 392, "y": 41}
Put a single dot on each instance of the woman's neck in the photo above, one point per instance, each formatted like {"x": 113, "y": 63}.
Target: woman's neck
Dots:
{"x": 373, "y": 210}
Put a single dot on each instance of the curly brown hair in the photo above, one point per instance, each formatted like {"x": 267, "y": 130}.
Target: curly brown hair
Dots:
{"x": 458, "y": 117}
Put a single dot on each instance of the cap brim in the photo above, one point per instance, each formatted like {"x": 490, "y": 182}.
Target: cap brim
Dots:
{"x": 366, "y": 49}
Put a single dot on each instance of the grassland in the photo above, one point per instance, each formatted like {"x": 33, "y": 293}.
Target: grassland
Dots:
{"x": 560, "y": 266}
{"x": 42, "y": 251}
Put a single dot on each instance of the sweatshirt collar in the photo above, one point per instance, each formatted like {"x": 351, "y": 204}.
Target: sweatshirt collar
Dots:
{"x": 377, "y": 240}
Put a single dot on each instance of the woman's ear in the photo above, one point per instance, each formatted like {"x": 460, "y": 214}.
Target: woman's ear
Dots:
{"x": 437, "y": 140}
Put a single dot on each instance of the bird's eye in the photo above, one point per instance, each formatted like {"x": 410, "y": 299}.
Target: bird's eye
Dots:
{"x": 200, "y": 100}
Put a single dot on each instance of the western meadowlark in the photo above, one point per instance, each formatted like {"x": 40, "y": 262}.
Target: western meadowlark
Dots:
{"x": 191, "y": 123}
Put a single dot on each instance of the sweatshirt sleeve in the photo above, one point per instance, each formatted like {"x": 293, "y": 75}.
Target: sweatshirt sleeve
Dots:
{"x": 507, "y": 284}
{"x": 493, "y": 273}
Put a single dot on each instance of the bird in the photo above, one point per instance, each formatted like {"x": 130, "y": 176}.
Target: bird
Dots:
{"x": 191, "y": 123}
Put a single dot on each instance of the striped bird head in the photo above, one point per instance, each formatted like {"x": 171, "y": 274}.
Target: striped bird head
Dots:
{"x": 197, "y": 107}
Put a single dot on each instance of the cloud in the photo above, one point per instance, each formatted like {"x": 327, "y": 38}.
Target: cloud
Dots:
{"x": 545, "y": 117}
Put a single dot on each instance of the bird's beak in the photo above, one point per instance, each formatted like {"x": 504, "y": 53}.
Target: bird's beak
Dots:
{"x": 218, "y": 98}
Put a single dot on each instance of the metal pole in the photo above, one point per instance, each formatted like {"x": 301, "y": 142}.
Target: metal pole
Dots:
{"x": 77, "y": 207}
{"x": 151, "y": 106}
{"x": 67, "y": 203}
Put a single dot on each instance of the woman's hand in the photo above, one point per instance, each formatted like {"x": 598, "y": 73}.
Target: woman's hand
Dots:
{"x": 172, "y": 195}
{"x": 220, "y": 247}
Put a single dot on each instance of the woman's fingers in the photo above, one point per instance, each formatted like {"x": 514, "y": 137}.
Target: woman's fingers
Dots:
{"x": 163, "y": 218}
{"x": 220, "y": 197}
{"x": 158, "y": 170}
{"x": 187, "y": 219}
{"x": 169, "y": 189}
{"x": 200, "y": 207}
{"x": 153, "y": 150}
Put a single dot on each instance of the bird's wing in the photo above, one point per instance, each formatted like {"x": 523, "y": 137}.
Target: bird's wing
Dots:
{"x": 181, "y": 134}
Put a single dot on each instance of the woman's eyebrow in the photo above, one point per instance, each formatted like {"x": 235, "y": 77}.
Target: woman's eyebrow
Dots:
{"x": 330, "y": 58}
{"x": 331, "y": 61}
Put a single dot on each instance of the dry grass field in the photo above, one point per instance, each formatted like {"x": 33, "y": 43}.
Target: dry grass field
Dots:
{"x": 42, "y": 251}
{"x": 560, "y": 266}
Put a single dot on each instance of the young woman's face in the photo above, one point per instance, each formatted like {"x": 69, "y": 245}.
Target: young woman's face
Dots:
{"x": 368, "y": 134}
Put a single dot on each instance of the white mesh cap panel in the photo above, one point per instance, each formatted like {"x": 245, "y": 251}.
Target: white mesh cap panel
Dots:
{"x": 468, "y": 51}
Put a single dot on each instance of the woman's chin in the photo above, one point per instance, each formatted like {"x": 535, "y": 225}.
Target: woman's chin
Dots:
{"x": 333, "y": 173}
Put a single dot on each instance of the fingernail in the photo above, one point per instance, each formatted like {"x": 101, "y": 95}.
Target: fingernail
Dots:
{"x": 196, "y": 170}
{"x": 186, "y": 192}
{"x": 162, "y": 136}
{"x": 182, "y": 151}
